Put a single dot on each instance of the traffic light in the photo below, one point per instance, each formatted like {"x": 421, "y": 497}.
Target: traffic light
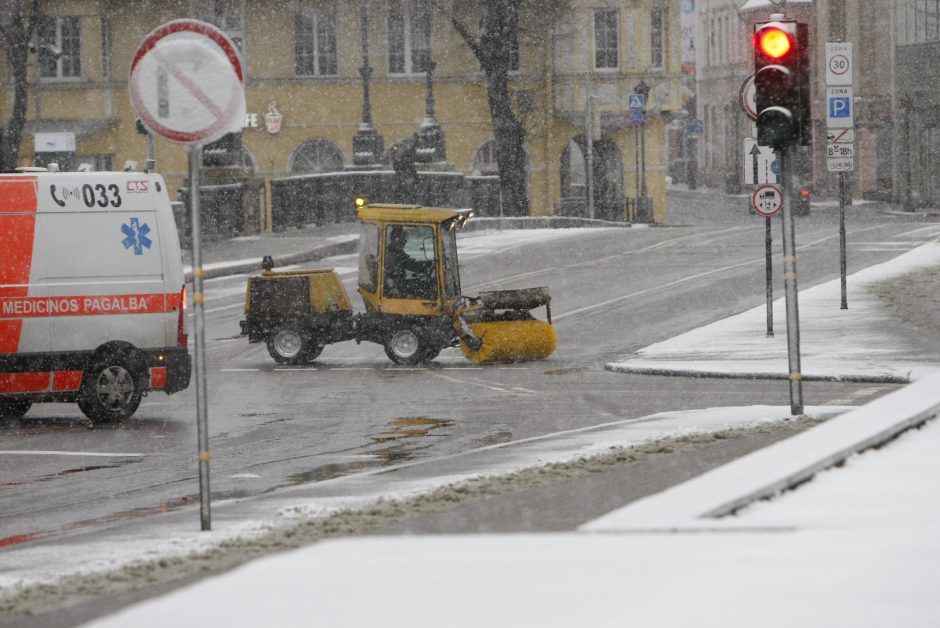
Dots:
{"x": 781, "y": 82}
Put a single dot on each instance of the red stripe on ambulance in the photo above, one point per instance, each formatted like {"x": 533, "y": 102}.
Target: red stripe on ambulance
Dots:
{"x": 16, "y": 239}
{"x": 66, "y": 380}
{"x": 24, "y": 382}
{"x": 27, "y": 307}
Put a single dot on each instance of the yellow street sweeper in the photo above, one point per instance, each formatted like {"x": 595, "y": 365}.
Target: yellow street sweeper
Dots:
{"x": 409, "y": 280}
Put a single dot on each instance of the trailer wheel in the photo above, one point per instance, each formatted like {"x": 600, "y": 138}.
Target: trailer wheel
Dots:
{"x": 288, "y": 345}
{"x": 13, "y": 408}
{"x": 110, "y": 391}
{"x": 408, "y": 346}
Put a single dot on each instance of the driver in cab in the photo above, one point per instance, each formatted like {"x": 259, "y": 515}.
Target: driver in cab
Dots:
{"x": 406, "y": 276}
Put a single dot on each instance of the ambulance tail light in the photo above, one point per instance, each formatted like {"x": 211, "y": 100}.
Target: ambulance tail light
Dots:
{"x": 182, "y": 338}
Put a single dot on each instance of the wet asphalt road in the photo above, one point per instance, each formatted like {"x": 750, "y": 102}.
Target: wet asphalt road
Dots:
{"x": 613, "y": 292}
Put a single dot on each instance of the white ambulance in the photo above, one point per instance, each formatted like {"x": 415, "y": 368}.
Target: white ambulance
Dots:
{"x": 92, "y": 292}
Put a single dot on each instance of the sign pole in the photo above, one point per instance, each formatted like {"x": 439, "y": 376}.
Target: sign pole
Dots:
{"x": 199, "y": 337}
{"x": 845, "y": 301}
{"x": 795, "y": 376}
{"x": 199, "y": 96}
{"x": 768, "y": 242}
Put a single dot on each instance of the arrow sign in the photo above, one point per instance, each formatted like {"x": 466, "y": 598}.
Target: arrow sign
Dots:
{"x": 758, "y": 163}
{"x": 755, "y": 154}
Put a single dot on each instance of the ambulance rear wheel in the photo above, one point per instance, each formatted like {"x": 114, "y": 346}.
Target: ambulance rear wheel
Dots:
{"x": 289, "y": 345}
{"x": 13, "y": 408}
{"x": 110, "y": 392}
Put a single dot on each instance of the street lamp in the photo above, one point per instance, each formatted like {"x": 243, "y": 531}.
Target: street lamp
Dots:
{"x": 368, "y": 145}
{"x": 644, "y": 207}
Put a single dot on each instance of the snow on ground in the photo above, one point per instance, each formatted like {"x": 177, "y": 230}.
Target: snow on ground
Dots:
{"x": 832, "y": 342}
{"x": 176, "y": 535}
{"x": 857, "y": 545}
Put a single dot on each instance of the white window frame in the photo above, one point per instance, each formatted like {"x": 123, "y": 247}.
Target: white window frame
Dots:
{"x": 317, "y": 18}
{"x": 616, "y": 31}
{"x": 57, "y": 43}
{"x": 227, "y": 15}
{"x": 409, "y": 15}
{"x": 658, "y": 32}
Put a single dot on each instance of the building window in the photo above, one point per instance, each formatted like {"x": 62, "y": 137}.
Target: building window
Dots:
{"x": 314, "y": 156}
{"x": 106, "y": 47}
{"x": 656, "y": 38}
{"x": 409, "y": 36}
{"x": 315, "y": 44}
{"x": 60, "y": 49}
{"x": 226, "y": 15}
{"x": 605, "y": 38}
{"x": 918, "y": 21}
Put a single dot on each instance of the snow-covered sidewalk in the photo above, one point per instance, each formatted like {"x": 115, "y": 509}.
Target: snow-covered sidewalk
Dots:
{"x": 859, "y": 343}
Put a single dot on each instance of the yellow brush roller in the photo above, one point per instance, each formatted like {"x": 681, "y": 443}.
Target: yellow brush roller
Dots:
{"x": 511, "y": 341}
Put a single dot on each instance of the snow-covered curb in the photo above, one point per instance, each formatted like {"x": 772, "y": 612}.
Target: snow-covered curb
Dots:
{"x": 698, "y": 503}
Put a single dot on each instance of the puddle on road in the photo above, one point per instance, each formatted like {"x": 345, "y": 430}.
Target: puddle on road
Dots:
{"x": 401, "y": 440}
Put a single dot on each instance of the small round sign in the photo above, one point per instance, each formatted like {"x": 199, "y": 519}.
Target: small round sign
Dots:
{"x": 767, "y": 200}
{"x": 748, "y": 96}
{"x": 186, "y": 83}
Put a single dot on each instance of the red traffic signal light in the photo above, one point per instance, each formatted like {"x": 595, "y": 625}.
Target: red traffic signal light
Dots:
{"x": 781, "y": 81}
{"x": 772, "y": 41}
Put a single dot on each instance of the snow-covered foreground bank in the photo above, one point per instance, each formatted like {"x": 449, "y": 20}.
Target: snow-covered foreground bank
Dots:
{"x": 857, "y": 546}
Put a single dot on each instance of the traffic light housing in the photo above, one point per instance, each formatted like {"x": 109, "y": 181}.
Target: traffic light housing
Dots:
{"x": 781, "y": 81}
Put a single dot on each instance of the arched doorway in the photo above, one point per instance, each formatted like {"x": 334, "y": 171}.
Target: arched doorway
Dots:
{"x": 315, "y": 156}
{"x": 609, "y": 200}
{"x": 483, "y": 179}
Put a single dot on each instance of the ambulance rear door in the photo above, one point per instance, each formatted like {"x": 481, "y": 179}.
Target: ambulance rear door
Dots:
{"x": 103, "y": 262}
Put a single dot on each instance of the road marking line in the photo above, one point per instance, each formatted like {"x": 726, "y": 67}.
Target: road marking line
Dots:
{"x": 932, "y": 228}
{"x": 95, "y": 454}
{"x": 239, "y": 370}
{"x": 714, "y": 271}
{"x": 475, "y": 383}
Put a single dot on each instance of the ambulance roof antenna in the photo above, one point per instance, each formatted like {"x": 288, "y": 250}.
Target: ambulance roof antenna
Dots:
{"x": 150, "y": 165}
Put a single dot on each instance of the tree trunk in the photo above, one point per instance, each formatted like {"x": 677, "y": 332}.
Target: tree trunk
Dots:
{"x": 510, "y": 147}
{"x": 493, "y": 49}
{"x": 16, "y": 38}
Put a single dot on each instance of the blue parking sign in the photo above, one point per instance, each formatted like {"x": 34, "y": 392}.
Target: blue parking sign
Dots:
{"x": 840, "y": 107}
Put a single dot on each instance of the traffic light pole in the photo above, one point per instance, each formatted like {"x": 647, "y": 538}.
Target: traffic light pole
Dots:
{"x": 795, "y": 375}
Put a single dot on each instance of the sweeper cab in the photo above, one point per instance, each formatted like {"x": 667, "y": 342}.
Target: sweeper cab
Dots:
{"x": 409, "y": 281}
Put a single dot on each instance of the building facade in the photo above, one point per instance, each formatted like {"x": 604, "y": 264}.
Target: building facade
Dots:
{"x": 896, "y": 98}
{"x": 304, "y": 86}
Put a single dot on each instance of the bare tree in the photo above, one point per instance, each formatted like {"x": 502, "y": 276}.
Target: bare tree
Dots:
{"x": 494, "y": 45}
{"x": 19, "y": 20}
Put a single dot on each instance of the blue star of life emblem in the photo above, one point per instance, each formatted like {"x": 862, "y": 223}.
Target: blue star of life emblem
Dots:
{"x": 136, "y": 236}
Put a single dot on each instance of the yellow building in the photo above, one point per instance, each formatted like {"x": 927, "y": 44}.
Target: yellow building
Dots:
{"x": 303, "y": 60}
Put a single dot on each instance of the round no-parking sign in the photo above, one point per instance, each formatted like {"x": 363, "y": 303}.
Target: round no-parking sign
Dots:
{"x": 186, "y": 83}
{"x": 767, "y": 200}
